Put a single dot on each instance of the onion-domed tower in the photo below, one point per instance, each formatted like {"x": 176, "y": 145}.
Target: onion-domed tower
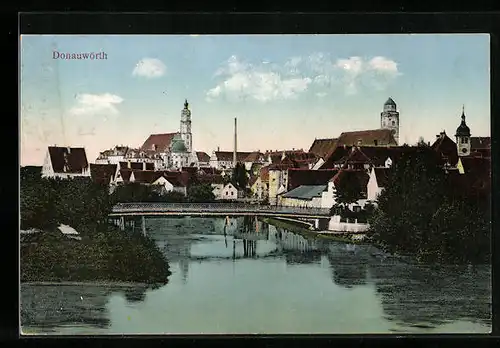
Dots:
{"x": 462, "y": 136}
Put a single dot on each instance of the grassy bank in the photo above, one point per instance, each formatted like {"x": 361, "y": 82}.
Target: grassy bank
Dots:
{"x": 105, "y": 255}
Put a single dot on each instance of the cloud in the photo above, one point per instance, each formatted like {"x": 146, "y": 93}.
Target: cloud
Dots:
{"x": 266, "y": 81}
{"x": 91, "y": 104}
{"x": 150, "y": 68}
{"x": 239, "y": 80}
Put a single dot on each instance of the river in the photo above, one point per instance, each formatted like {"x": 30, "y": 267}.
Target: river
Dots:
{"x": 266, "y": 281}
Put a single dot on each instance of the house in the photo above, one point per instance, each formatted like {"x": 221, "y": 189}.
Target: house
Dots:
{"x": 104, "y": 174}
{"x": 328, "y": 198}
{"x": 300, "y": 176}
{"x": 278, "y": 178}
{"x": 260, "y": 189}
{"x": 65, "y": 163}
{"x": 253, "y": 160}
{"x": 112, "y": 156}
{"x": 203, "y": 159}
{"x": 373, "y": 137}
{"x": 304, "y": 196}
{"x": 224, "y": 159}
{"x": 446, "y": 149}
{"x": 480, "y": 145}
{"x": 476, "y": 166}
{"x": 322, "y": 148}
{"x": 228, "y": 192}
{"x": 377, "y": 182}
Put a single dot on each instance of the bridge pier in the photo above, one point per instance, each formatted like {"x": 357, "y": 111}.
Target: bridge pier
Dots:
{"x": 143, "y": 225}
{"x": 122, "y": 223}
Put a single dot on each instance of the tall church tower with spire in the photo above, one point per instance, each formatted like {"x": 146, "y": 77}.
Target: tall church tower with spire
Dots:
{"x": 389, "y": 118}
{"x": 185, "y": 130}
{"x": 462, "y": 136}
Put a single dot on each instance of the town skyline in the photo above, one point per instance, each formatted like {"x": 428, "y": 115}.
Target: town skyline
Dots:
{"x": 283, "y": 97}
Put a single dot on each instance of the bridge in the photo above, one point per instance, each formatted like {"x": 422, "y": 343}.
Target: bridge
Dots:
{"x": 215, "y": 209}
{"x": 311, "y": 217}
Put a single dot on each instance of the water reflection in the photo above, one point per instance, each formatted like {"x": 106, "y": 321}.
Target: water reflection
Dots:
{"x": 408, "y": 296}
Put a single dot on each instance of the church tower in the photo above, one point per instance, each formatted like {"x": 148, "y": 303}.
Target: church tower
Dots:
{"x": 389, "y": 118}
{"x": 186, "y": 127}
{"x": 462, "y": 136}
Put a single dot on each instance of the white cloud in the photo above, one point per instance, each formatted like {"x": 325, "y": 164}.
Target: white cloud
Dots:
{"x": 321, "y": 94}
{"x": 91, "y": 104}
{"x": 150, "y": 68}
{"x": 265, "y": 82}
{"x": 269, "y": 81}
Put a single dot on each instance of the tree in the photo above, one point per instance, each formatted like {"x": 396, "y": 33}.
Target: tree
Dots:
{"x": 239, "y": 177}
{"x": 201, "y": 193}
{"x": 420, "y": 213}
{"x": 348, "y": 189}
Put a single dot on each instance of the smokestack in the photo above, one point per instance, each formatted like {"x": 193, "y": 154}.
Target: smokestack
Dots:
{"x": 235, "y": 143}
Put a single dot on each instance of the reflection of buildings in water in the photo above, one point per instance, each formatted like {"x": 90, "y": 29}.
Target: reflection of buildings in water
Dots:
{"x": 291, "y": 241}
{"x": 419, "y": 295}
{"x": 56, "y": 305}
{"x": 249, "y": 248}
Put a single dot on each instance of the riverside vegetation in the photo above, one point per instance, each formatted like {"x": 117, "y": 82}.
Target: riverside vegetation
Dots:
{"x": 104, "y": 253}
{"x": 424, "y": 212}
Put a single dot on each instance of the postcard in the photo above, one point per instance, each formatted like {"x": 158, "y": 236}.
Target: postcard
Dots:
{"x": 255, "y": 184}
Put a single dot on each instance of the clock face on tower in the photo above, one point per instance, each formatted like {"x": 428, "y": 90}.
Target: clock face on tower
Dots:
{"x": 464, "y": 150}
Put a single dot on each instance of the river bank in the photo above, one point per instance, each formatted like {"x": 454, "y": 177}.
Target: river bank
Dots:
{"x": 103, "y": 255}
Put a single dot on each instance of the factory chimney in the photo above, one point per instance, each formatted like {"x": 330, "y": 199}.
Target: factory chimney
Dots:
{"x": 235, "y": 144}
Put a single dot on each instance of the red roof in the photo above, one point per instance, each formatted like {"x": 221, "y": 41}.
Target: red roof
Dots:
{"x": 446, "y": 148}
{"x": 374, "y": 137}
{"x": 158, "y": 142}
{"x": 322, "y": 147}
{"x": 68, "y": 159}
{"x": 264, "y": 174}
{"x": 255, "y": 156}
{"x": 227, "y": 156}
{"x": 102, "y": 173}
{"x": 202, "y": 156}
{"x": 480, "y": 143}
{"x": 382, "y": 176}
{"x": 360, "y": 175}
{"x": 298, "y": 177}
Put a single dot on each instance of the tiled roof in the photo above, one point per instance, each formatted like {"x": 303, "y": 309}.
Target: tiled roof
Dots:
{"x": 299, "y": 177}
{"x": 446, "y": 148}
{"x": 125, "y": 174}
{"x": 102, "y": 173}
{"x": 252, "y": 180}
{"x": 254, "y": 157}
{"x": 161, "y": 141}
{"x": 360, "y": 175}
{"x": 146, "y": 176}
{"x": 470, "y": 184}
{"x": 382, "y": 176}
{"x": 202, "y": 156}
{"x": 68, "y": 160}
{"x": 264, "y": 174}
{"x": 136, "y": 165}
{"x": 227, "y": 156}
{"x": 374, "y": 137}
{"x": 306, "y": 192}
{"x": 477, "y": 166}
{"x": 322, "y": 147}
{"x": 480, "y": 143}
{"x": 339, "y": 153}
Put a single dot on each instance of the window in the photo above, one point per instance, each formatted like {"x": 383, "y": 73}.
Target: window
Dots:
{"x": 465, "y": 140}
{"x": 376, "y": 142}
{"x": 393, "y": 123}
{"x": 356, "y": 208}
{"x": 232, "y": 193}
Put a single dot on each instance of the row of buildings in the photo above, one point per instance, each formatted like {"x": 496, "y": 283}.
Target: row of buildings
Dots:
{"x": 286, "y": 177}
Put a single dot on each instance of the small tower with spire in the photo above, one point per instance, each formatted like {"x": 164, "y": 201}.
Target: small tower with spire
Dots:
{"x": 389, "y": 118}
{"x": 462, "y": 136}
{"x": 185, "y": 130}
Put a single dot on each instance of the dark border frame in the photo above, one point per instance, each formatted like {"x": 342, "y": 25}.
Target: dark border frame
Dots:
{"x": 278, "y": 23}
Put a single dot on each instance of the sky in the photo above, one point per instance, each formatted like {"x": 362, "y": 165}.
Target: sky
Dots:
{"x": 285, "y": 90}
